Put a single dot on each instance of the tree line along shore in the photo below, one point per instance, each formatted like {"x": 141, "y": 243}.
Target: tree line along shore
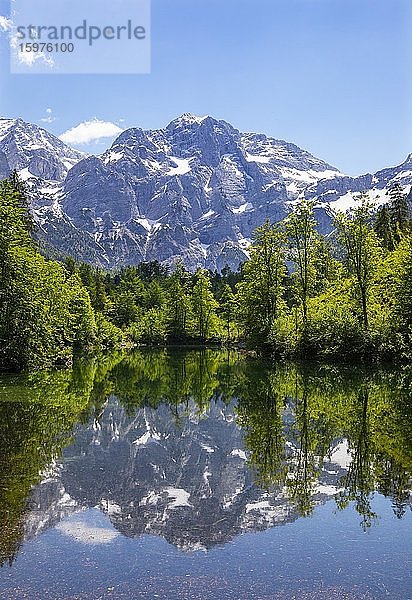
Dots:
{"x": 300, "y": 295}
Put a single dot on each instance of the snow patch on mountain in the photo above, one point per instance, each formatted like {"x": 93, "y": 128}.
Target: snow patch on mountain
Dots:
{"x": 194, "y": 190}
{"x": 182, "y": 166}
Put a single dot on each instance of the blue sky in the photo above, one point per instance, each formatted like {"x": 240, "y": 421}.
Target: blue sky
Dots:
{"x": 333, "y": 76}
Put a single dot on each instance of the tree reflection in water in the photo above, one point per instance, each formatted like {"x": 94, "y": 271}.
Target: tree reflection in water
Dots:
{"x": 292, "y": 418}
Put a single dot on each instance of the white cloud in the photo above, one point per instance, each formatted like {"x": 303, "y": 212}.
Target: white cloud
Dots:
{"x": 49, "y": 118}
{"x": 85, "y": 533}
{"x": 25, "y": 58}
{"x": 90, "y": 131}
{"x": 5, "y": 23}
{"x": 29, "y": 58}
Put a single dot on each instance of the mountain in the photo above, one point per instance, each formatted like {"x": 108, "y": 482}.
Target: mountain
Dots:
{"x": 34, "y": 152}
{"x": 170, "y": 472}
{"x": 339, "y": 193}
{"x": 42, "y": 162}
{"x": 196, "y": 189}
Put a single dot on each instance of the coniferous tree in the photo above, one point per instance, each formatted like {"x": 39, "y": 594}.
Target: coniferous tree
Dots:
{"x": 398, "y": 210}
{"x": 178, "y": 309}
{"x": 383, "y": 228}
{"x": 100, "y": 299}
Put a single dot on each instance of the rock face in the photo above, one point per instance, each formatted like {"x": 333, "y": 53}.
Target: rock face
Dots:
{"x": 4, "y": 166}
{"x": 339, "y": 193}
{"x": 171, "y": 472}
{"x": 194, "y": 190}
{"x": 32, "y": 151}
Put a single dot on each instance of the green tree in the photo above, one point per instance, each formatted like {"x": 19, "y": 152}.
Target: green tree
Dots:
{"x": 100, "y": 301}
{"x": 398, "y": 210}
{"x": 204, "y": 307}
{"x": 303, "y": 239}
{"x": 326, "y": 268}
{"x": 361, "y": 248}
{"x": 178, "y": 306}
{"x": 383, "y": 228}
{"x": 260, "y": 293}
{"x": 228, "y": 309}
{"x": 45, "y": 314}
{"x": 402, "y": 291}
{"x": 154, "y": 296}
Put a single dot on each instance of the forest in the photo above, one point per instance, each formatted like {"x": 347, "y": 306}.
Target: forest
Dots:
{"x": 300, "y": 295}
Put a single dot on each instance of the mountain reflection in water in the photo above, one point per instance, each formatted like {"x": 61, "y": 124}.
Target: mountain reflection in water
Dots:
{"x": 198, "y": 446}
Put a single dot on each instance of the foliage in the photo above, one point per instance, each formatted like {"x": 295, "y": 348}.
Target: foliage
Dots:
{"x": 204, "y": 305}
{"x": 45, "y": 312}
{"x": 298, "y": 294}
{"x": 362, "y": 251}
{"x": 367, "y": 411}
{"x": 295, "y": 418}
{"x": 303, "y": 239}
{"x": 260, "y": 292}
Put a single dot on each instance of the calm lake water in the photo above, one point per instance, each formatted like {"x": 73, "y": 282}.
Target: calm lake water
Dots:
{"x": 205, "y": 475}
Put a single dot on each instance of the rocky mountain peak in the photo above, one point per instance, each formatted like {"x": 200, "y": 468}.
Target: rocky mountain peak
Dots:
{"x": 31, "y": 148}
{"x": 185, "y": 120}
{"x": 195, "y": 189}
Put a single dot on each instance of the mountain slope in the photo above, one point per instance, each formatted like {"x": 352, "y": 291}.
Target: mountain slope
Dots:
{"x": 28, "y": 147}
{"x": 43, "y": 162}
{"x": 195, "y": 189}
{"x": 339, "y": 193}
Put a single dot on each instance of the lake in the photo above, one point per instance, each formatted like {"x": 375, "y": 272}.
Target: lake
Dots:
{"x": 206, "y": 474}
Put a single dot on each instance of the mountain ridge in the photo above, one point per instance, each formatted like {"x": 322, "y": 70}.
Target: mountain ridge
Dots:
{"x": 193, "y": 190}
